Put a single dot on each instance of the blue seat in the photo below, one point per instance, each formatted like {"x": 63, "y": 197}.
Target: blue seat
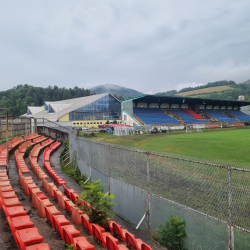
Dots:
{"x": 154, "y": 116}
{"x": 219, "y": 115}
{"x": 239, "y": 115}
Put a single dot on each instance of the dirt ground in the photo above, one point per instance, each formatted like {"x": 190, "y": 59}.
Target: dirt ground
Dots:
{"x": 6, "y": 238}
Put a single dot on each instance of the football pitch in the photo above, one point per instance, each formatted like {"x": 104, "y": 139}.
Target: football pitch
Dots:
{"x": 221, "y": 145}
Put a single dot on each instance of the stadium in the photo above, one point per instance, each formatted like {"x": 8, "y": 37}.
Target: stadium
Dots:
{"x": 176, "y": 112}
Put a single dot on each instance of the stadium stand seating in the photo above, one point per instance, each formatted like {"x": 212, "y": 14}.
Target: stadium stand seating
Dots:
{"x": 154, "y": 116}
{"x": 14, "y": 142}
{"x": 3, "y": 156}
{"x": 193, "y": 114}
{"x": 187, "y": 117}
{"x": 26, "y": 235}
{"x": 219, "y": 115}
{"x": 239, "y": 115}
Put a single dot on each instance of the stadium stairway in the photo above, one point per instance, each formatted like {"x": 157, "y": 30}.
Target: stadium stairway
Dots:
{"x": 139, "y": 120}
{"x": 168, "y": 112}
{"x": 238, "y": 115}
{"x": 43, "y": 226}
{"x": 231, "y": 115}
{"x": 219, "y": 115}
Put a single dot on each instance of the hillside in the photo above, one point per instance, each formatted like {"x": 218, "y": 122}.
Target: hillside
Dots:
{"x": 224, "y": 90}
{"x": 115, "y": 90}
{"x": 18, "y": 98}
{"x": 199, "y": 92}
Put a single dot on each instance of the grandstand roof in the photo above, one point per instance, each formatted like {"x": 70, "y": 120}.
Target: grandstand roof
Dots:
{"x": 186, "y": 100}
{"x": 63, "y": 107}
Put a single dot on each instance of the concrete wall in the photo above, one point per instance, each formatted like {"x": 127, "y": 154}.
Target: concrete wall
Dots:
{"x": 54, "y": 133}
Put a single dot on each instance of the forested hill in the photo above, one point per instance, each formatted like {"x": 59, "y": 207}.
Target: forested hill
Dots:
{"x": 220, "y": 90}
{"x": 18, "y": 98}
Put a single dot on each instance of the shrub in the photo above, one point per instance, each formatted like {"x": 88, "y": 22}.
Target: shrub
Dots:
{"x": 172, "y": 234}
{"x": 72, "y": 169}
{"x": 101, "y": 202}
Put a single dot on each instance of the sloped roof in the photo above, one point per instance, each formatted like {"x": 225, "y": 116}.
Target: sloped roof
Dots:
{"x": 35, "y": 110}
{"x": 66, "y": 106}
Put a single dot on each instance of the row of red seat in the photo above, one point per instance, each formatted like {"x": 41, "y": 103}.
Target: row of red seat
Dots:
{"x": 19, "y": 154}
{"x": 24, "y": 232}
{"x": 192, "y": 113}
{"x": 47, "y": 209}
{"x": 46, "y": 163}
{"x": 31, "y": 137}
{"x": 102, "y": 237}
{"x": 78, "y": 217}
{"x": 3, "y": 156}
{"x": 14, "y": 142}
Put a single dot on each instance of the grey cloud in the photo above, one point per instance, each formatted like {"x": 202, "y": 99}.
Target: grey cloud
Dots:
{"x": 138, "y": 44}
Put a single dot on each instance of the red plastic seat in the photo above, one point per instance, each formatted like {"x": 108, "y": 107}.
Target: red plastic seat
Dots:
{"x": 101, "y": 237}
{"x": 88, "y": 226}
{"x": 10, "y": 194}
{"x": 68, "y": 205}
{"x": 11, "y": 202}
{"x": 81, "y": 242}
{"x": 20, "y": 244}
{"x": 132, "y": 242}
{"x": 51, "y": 211}
{"x": 28, "y": 236}
{"x": 14, "y": 211}
{"x": 68, "y": 191}
{"x": 119, "y": 232}
{"x": 21, "y": 222}
{"x": 144, "y": 246}
{"x": 112, "y": 245}
{"x": 70, "y": 228}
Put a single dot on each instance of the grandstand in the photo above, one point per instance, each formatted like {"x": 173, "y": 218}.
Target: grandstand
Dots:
{"x": 178, "y": 111}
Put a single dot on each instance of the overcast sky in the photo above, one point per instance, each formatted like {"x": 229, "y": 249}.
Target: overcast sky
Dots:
{"x": 146, "y": 45}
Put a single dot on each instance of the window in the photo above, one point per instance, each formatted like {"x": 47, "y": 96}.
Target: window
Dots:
{"x": 94, "y": 123}
{"x": 78, "y": 123}
{"x": 100, "y": 122}
{"x": 81, "y": 123}
{"x": 91, "y": 123}
{"x": 125, "y": 117}
{"x": 97, "y": 122}
{"x": 74, "y": 123}
{"x": 87, "y": 122}
{"x": 106, "y": 108}
{"x": 84, "y": 123}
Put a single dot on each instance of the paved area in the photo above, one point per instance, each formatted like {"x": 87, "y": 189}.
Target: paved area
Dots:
{"x": 7, "y": 240}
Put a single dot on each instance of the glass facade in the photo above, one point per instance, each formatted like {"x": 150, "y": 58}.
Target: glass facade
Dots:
{"x": 106, "y": 108}
{"x": 51, "y": 110}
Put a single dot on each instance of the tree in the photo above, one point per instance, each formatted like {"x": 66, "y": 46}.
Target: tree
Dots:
{"x": 107, "y": 122}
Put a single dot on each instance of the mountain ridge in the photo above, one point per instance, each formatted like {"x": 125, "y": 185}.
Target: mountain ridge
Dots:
{"x": 115, "y": 90}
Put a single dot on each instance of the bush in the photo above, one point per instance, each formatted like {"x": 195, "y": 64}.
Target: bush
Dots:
{"x": 172, "y": 234}
{"x": 101, "y": 203}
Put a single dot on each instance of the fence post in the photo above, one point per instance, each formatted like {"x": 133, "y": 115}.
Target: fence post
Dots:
{"x": 148, "y": 193}
{"x": 89, "y": 161}
{"x": 110, "y": 166}
{"x": 230, "y": 216}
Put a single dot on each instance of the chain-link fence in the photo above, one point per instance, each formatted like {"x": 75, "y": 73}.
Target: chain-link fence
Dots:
{"x": 213, "y": 198}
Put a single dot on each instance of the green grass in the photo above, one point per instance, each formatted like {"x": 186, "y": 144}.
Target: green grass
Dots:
{"x": 221, "y": 145}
